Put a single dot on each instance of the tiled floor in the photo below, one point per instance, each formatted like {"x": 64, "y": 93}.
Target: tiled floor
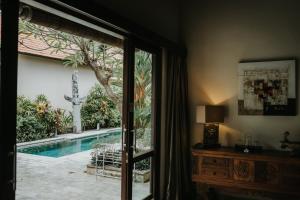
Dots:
{"x": 64, "y": 178}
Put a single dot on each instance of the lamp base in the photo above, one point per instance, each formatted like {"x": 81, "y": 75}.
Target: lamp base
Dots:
{"x": 211, "y": 135}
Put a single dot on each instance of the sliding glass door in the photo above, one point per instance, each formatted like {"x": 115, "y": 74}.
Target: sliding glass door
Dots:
{"x": 141, "y": 139}
{"x": 68, "y": 152}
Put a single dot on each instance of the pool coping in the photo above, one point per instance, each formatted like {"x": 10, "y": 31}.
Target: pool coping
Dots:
{"x": 68, "y": 136}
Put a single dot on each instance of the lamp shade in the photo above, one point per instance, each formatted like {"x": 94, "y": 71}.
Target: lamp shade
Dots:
{"x": 210, "y": 114}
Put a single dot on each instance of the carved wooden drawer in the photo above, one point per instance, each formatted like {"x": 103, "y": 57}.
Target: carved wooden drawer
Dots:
{"x": 291, "y": 176}
{"x": 266, "y": 172}
{"x": 291, "y": 181}
{"x": 215, "y": 162}
{"x": 291, "y": 170}
{"x": 216, "y": 173}
{"x": 243, "y": 170}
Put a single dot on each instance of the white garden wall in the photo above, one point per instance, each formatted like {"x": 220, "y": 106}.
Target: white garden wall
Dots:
{"x": 38, "y": 75}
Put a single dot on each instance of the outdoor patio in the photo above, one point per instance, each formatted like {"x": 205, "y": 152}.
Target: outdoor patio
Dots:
{"x": 64, "y": 178}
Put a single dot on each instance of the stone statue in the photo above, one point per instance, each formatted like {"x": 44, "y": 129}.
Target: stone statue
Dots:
{"x": 76, "y": 101}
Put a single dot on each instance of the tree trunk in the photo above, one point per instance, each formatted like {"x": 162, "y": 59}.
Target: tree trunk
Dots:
{"x": 102, "y": 79}
{"x": 115, "y": 98}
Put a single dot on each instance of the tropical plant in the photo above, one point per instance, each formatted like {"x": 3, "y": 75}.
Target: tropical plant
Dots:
{"x": 25, "y": 106}
{"x": 37, "y": 119}
{"x": 143, "y": 164}
{"x": 99, "y": 109}
{"x": 143, "y": 92}
{"x": 45, "y": 113}
{"x": 63, "y": 120}
{"x": 41, "y": 98}
{"x": 29, "y": 128}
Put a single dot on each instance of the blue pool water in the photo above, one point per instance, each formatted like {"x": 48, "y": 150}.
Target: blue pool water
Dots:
{"x": 67, "y": 147}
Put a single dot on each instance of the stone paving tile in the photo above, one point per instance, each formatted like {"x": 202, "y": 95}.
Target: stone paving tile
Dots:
{"x": 64, "y": 178}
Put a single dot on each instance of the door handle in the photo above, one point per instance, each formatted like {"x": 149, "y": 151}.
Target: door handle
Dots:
{"x": 124, "y": 137}
{"x": 13, "y": 180}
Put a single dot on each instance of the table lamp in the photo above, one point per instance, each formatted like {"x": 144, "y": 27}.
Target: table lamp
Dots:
{"x": 210, "y": 116}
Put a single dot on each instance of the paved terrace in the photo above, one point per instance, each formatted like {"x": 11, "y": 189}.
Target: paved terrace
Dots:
{"x": 64, "y": 178}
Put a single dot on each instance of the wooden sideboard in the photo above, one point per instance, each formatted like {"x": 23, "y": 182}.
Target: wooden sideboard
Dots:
{"x": 272, "y": 172}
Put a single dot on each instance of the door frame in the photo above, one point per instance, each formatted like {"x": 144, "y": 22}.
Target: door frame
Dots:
{"x": 8, "y": 94}
{"x": 131, "y": 44}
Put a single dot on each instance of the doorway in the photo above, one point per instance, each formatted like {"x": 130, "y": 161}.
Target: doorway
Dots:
{"x": 120, "y": 146}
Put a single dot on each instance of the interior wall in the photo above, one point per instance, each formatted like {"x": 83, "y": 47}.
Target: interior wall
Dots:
{"x": 218, "y": 34}
{"x": 158, "y": 16}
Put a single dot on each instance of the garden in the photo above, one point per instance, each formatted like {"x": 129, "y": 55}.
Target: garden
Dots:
{"x": 38, "y": 119}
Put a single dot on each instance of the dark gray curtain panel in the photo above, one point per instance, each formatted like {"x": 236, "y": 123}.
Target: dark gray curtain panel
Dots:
{"x": 177, "y": 184}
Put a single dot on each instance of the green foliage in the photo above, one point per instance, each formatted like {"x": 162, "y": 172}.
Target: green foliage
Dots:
{"x": 143, "y": 164}
{"x": 25, "y": 106}
{"x": 98, "y": 108}
{"x": 107, "y": 63}
{"x": 37, "y": 119}
{"x": 29, "y": 128}
{"x": 143, "y": 92}
{"x": 41, "y": 99}
{"x": 63, "y": 120}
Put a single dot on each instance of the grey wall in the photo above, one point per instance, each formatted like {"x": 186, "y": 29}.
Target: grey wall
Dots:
{"x": 218, "y": 34}
{"x": 50, "y": 77}
{"x": 161, "y": 17}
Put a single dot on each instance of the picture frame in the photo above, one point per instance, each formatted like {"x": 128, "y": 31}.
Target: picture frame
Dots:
{"x": 267, "y": 88}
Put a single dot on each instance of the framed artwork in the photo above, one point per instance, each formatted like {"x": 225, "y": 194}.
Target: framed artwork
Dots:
{"x": 267, "y": 88}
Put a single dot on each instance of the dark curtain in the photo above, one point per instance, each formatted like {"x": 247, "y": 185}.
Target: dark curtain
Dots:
{"x": 177, "y": 184}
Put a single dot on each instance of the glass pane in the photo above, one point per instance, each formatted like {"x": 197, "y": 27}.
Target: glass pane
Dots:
{"x": 143, "y": 101}
{"x": 69, "y": 105}
{"x": 141, "y": 179}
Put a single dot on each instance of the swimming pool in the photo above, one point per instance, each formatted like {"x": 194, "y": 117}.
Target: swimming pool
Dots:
{"x": 67, "y": 147}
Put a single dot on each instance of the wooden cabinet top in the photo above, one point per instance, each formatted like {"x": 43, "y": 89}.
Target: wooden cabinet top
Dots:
{"x": 265, "y": 155}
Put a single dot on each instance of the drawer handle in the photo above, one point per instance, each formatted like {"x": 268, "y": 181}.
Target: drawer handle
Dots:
{"x": 214, "y": 173}
{"x": 215, "y": 161}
